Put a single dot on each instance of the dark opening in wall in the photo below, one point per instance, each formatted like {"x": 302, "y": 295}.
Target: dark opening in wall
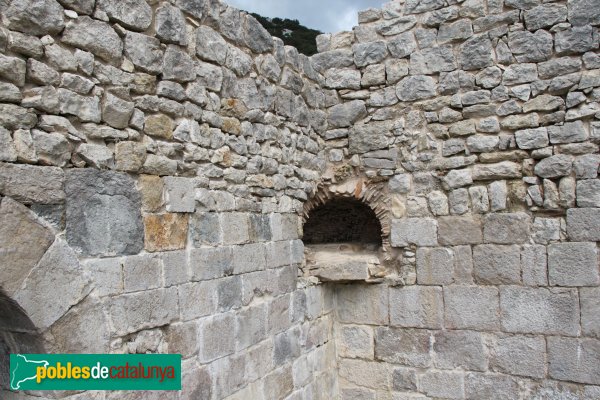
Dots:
{"x": 343, "y": 220}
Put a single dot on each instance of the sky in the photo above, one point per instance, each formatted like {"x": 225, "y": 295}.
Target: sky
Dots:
{"x": 328, "y": 16}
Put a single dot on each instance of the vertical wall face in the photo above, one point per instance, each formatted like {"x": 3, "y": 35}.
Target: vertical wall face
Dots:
{"x": 484, "y": 117}
{"x": 155, "y": 161}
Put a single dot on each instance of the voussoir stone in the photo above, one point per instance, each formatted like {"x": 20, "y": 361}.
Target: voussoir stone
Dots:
{"x": 134, "y": 14}
{"x": 95, "y": 36}
{"x": 103, "y": 213}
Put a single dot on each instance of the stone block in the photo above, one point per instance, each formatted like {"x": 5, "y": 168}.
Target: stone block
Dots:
{"x": 216, "y": 337}
{"x": 151, "y": 189}
{"x": 248, "y": 258}
{"x": 369, "y": 374}
{"x": 507, "y": 228}
{"x": 588, "y": 193}
{"x": 446, "y": 385}
{"x": 284, "y": 226}
{"x": 229, "y": 293}
{"x": 23, "y": 242}
{"x": 197, "y": 299}
{"x": 574, "y": 360}
{"x": 417, "y": 231}
{"x": 260, "y": 228}
{"x": 461, "y": 312}
{"x": 519, "y": 355}
{"x": 496, "y": 265}
{"x": 435, "y": 266}
{"x": 278, "y": 314}
{"x": 206, "y": 229}
{"x": 362, "y": 304}
{"x": 404, "y": 379}
{"x": 416, "y": 307}
{"x": 278, "y": 254}
{"x": 164, "y": 232}
{"x": 133, "y": 312}
{"x": 279, "y": 383}
{"x": 534, "y": 265}
{"x": 251, "y": 326}
{"x": 539, "y": 310}
{"x": 211, "y": 263}
{"x": 106, "y": 274}
{"x": 459, "y": 230}
{"x": 286, "y": 346}
{"x": 356, "y": 341}
{"x": 103, "y": 213}
{"x": 179, "y": 194}
{"x": 573, "y": 264}
{"x": 590, "y": 317}
{"x": 141, "y": 272}
{"x": 32, "y": 184}
{"x": 175, "y": 268}
{"x": 583, "y": 224}
{"x": 227, "y": 374}
{"x": 183, "y": 338}
{"x": 235, "y": 228}
{"x": 491, "y": 386}
{"x": 460, "y": 349}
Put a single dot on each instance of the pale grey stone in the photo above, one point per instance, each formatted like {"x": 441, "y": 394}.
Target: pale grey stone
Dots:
{"x": 42, "y": 98}
{"x": 210, "y": 45}
{"x": 482, "y": 143}
{"x": 34, "y": 17}
{"x": 209, "y": 75}
{"x": 532, "y": 138}
{"x": 76, "y": 83}
{"x": 362, "y": 304}
{"x": 170, "y": 25}
{"x": 14, "y": 117}
{"x": 346, "y": 114}
{"x": 134, "y": 14}
{"x": 13, "y": 69}
{"x": 418, "y": 6}
{"x": 396, "y": 26}
{"x": 456, "y": 349}
{"x": 95, "y": 36}
{"x": 590, "y": 321}
{"x": 462, "y": 313}
{"x": 368, "y": 137}
{"x": 238, "y": 61}
{"x": 438, "y": 203}
{"x": 96, "y": 155}
{"x": 458, "y": 30}
{"x": 498, "y": 194}
{"x": 577, "y": 39}
{"x": 476, "y": 53}
{"x": 586, "y": 166}
{"x": 583, "y": 224}
{"x": 458, "y": 178}
{"x": 402, "y": 45}
{"x": 338, "y": 58}
{"x": 8, "y": 152}
{"x": 501, "y": 170}
{"x": 559, "y": 66}
{"x": 356, "y": 342}
{"x": 51, "y": 148}
{"x": 574, "y": 359}
{"x": 342, "y": 78}
{"x": 416, "y": 87}
{"x": 554, "y": 166}
{"x": 103, "y": 213}
{"x": 459, "y": 201}
{"x": 570, "y": 132}
{"x": 533, "y": 262}
{"x": 144, "y": 52}
{"x": 519, "y": 355}
{"x": 584, "y": 12}
{"x": 588, "y": 193}
{"x": 520, "y": 73}
{"x": 178, "y": 65}
{"x": 431, "y": 60}
{"x": 539, "y": 310}
{"x": 544, "y": 16}
{"x": 116, "y": 112}
{"x": 87, "y": 108}
{"x": 400, "y": 183}
{"x": 507, "y": 228}
{"x": 41, "y": 73}
{"x": 530, "y": 47}
{"x": 416, "y": 307}
{"x": 414, "y": 349}
{"x": 435, "y": 266}
{"x": 418, "y": 231}
{"x": 573, "y": 264}
{"x": 497, "y": 265}
{"x": 543, "y": 103}
{"x": 369, "y": 53}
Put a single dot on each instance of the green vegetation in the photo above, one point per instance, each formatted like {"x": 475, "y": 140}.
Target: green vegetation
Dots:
{"x": 291, "y": 32}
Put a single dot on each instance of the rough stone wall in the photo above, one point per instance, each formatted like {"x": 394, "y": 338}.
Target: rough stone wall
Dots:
{"x": 158, "y": 159}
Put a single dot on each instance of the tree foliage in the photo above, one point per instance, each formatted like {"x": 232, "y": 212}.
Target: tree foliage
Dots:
{"x": 301, "y": 37}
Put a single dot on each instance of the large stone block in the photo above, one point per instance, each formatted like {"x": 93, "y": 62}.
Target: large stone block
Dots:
{"x": 583, "y": 224}
{"x": 496, "y": 265}
{"x": 534, "y": 265}
{"x": 251, "y": 326}
{"x": 491, "y": 386}
{"x": 590, "y": 317}
{"x": 507, "y": 228}
{"x": 409, "y": 347}
{"x": 23, "y": 242}
{"x": 141, "y": 272}
{"x": 362, "y": 304}
{"x": 462, "y": 312}
{"x": 284, "y": 226}
{"x": 216, "y": 337}
{"x": 211, "y": 263}
{"x": 34, "y": 17}
{"x": 435, "y": 266}
{"x": 248, "y": 258}
{"x": 574, "y": 360}
{"x": 180, "y": 194}
{"x": 519, "y": 355}
{"x": 142, "y": 310}
{"x": 584, "y": 12}
{"x": 458, "y": 230}
{"x": 539, "y": 310}
{"x": 175, "y": 268}
{"x": 32, "y": 184}
{"x": 206, "y": 229}
{"x": 460, "y": 349}
{"x": 573, "y": 264}
{"x": 163, "y": 232}
{"x": 356, "y": 341}
{"x": 365, "y": 373}
{"x": 103, "y": 213}
{"x": 417, "y": 231}
{"x": 95, "y": 36}
{"x": 235, "y": 228}
{"x": 445, "y": 385}
{"x": 53, "y": 286}
{"x": 197, "y": 299}
{"x": 416, "y": 307}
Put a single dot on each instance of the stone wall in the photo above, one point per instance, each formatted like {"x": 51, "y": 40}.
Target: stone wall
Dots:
{"x": 158, "y": 160}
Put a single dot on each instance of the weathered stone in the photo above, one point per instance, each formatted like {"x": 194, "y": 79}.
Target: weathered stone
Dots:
{"x": 539, "y": 310}
{"x": 584, "y": 12}
{"x": 402, "y": 45}
{"x": 403, "y": 346}
{"x": 342, "y": 78}
{"x": 81, "y": 6}
{"x": 458, "y": 30}
{"x": 578, "y": 39}
{"x": 356, "y": 342}
{"x": 85, "y": 107}
{"x": 178, "y": 65}
{"x": 459, "y": 231}
{"x": 582, "y": 224}
{"x": 34, "y": 17}
{"x": 417, "y": 87}
{"x": 95, "y": 36}
{"x": 497, "y": 265}
{"x": 369, "y": 308}
{"x": 461, "y": 312}
{"x": 590, "y": 321}
{"x": 588, "y": 193}
{"x": 532, "y": 138}
{"x": 570, "y": 132}
{"x": 23, "y": 240}
{"x": 456, "y": 349}
{"x": 554, "y": 166}
{"x": 574, "y": 359}
{"x": 164, "y": 232}
{"x": 507, "y": 228}
{"x": 13, "y": 69}
{"x": 435, "y": 266}
{"x": 144, "y": 52}
{"x": 58, "y": 271}
{"x": 369, "y": 53}
{"x": 368, "y": 137}
{"x": 573, "y": 264}
{"x": 396, "y": 26}
{"x": 346, "y": 114}
{"x": 103, "y": 213}
{"x": 519, "y": 355}
{"x": 417, "y": 6}
{"x": 170, "y": 25}
{"x": 476, "y": 53}
{"x": 435, "y": 59}
{"x": 441, "y": 384}
{"x": 416, "y": 307}
{"x": 418, "y": 231}
{"x": 530, "y": 47}
{"x": 159, "y": 126}
{"x": 134, "y": 14}
{"x": 544, "y": 102}
{"x": 116, "y": 112}
{"x": 544, "y": 16}
{"x": 501, "y": 170}
{"x": 129, "y": 156}
{"x": 520, "y": 73}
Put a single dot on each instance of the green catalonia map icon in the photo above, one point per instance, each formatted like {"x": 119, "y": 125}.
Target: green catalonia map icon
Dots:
{"x": 23, "y": 369}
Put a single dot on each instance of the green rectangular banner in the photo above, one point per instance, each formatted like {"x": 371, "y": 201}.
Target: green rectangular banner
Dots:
{"x": 95, "y": 371}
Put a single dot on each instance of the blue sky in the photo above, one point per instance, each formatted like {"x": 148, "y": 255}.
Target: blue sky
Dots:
{"x": 324, "y": 15}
